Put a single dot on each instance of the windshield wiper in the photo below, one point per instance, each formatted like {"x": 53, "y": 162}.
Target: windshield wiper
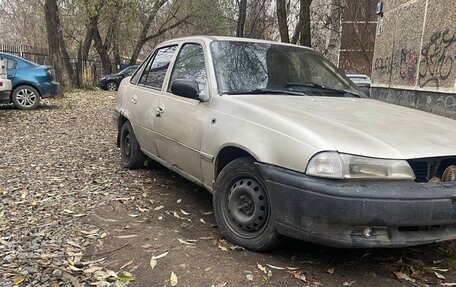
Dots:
{"x": 321, "y": 87}
{"x": 265, "y": 91}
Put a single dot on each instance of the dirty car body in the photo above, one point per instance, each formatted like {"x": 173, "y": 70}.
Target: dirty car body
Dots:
{"x": 289, "y": 146}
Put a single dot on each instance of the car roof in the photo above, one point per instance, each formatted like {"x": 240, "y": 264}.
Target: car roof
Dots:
{"x": 210, "y": 39}
{"x": 19, "y": 59}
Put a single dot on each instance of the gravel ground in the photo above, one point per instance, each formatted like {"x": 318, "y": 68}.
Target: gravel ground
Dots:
{"x": 71, "y": 216}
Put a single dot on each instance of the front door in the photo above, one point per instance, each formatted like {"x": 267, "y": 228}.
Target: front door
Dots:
{"x": 181, "y": 122}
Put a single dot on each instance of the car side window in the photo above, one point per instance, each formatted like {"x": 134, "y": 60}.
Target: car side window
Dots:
{"x": 10, "y": 64}
{"x": 155, "y": 71}
{"x": 190, "y": 65}
{"x": 130, "y": 72}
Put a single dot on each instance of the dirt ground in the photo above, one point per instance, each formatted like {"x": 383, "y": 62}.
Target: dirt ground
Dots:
{"x": 136, "y": 215}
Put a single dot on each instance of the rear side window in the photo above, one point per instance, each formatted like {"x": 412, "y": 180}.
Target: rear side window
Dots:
{"x": 155, "y": 71}
{"x": 10, "y": 64}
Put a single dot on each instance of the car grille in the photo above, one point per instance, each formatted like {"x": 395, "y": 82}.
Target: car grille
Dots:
{"x": 420, "y": 167}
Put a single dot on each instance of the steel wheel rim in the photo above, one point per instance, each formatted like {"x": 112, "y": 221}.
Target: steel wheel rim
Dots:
{"x": 127, "y": 146}
{"x": 112, "y": 86}
{"x": 26, "y": 97}
{"x": 246, "y": 209}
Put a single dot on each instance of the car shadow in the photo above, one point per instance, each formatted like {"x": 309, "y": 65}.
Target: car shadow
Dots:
{"x": 11, "y": 107}
{"x": 295, "y": 251}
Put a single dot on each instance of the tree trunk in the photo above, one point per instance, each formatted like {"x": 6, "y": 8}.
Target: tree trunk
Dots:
{"x": 282, "y": 21}
{"x": 103, "y": 52}
{"x": 241, "y": 18}
{"x": 305, "y": 23}
{"x": 92, "y": 26}
{"x": 52, "y": 28}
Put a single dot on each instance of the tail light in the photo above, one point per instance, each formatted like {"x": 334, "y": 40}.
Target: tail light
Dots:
{"x": 51, "y": 74}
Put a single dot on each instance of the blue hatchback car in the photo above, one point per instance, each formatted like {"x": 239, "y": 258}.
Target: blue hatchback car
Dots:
{"x": 31, "y": 82}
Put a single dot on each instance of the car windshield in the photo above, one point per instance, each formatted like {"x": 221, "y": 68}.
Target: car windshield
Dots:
{"x": 253, "y": 68}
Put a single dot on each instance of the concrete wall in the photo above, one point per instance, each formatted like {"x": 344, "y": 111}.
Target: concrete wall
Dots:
{"x": 415, "y": 55}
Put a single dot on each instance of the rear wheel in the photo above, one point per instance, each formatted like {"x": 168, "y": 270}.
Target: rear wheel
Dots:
{"x": 26, "y": 97}
{"x": 132, "y": 156}
{"x": 111, "y": 86}
{"x": 242, "y": 207}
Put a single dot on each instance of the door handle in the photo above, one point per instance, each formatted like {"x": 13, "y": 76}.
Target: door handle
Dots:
{"x": 134, "y": 99}
{"x": 160, "y": 109}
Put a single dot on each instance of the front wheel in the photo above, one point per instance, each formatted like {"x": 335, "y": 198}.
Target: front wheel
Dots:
{"x": 26, "y": 97}
{"x": 132, "y": 156}
{"x": 242, "y": 207}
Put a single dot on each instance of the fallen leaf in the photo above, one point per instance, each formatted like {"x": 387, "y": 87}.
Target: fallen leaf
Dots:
{"x": 187, "y": 242}
{"x": 448, "y": 284}
{"x": 202, "y": 221}
{"x": 161, "y": 255}
{"x": 438, "y": 275}
{"x": 173, "y": 279}
{"x": 223, "y": 248}
{"x": 330, "y": 270}
{"x": 125, "y": 276}
{"x": 262, "y": 268}
{"x": 298, "y": 275}
{"x": 207, "y": 213}
{"x": 133, "y": 215}
{"x": 126, "y": 264}
{"x": 179, "y": 200}
{"x": 184, "y": 212}
{"x": 158, "y": 207}
{"x": 126, "y": 236}
{"x": 275, "y": 267}
{"x": 19, "y": 280}
{"x": 403, "y": 276}
{"x": 249, "y": 277}
{"x": 153, "y": 262}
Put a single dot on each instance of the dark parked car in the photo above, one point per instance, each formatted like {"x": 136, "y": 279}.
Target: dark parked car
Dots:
{"x": 31, "y": 82}
{"x": 362, "y": 81}
{"x": 112, "y": 82}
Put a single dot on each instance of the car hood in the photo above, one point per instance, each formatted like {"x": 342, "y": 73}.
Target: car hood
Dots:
{"x": 356, "y": 126}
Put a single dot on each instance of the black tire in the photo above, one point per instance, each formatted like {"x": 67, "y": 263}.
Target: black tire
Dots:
{"x": 112, "y": 86}
{"x": 132, "y": 156}
{"x": 242, "y": 207}
{"x": 26, "y": 97}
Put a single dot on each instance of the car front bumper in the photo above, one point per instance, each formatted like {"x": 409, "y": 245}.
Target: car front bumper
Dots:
{"x": 339, "y": 213}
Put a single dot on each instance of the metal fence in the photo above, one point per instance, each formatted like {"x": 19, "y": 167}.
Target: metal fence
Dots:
{"x": 87, "y": 73}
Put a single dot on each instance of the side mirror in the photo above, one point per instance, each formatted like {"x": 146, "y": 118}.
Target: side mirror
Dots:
{"x": 185, "y": 88}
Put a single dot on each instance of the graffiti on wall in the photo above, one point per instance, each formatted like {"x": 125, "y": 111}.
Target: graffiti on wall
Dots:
{"x": 382, "y": 65}
{"x": 436, "y": 63}
{"x": 408, "y": 65}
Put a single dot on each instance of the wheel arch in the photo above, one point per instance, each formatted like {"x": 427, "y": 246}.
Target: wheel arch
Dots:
{"x": 122, "y": 119}
{"x": 16, "y": 85}
{"x": 229, "y": 153}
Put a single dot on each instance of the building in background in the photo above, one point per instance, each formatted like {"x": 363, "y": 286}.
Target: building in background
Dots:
{"x": 344, "y": 32}
{"x": 415, "y": 54}
{"x": 359, "y": 22}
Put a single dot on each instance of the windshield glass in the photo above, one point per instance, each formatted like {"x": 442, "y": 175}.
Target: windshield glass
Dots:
{"x": 246, "y": 67}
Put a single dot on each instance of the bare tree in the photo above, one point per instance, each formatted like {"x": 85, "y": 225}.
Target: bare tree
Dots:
{"x": 241, "y": 18}
{"x": 52, "y": 28}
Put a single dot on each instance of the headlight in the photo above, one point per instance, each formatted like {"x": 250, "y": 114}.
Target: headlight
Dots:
{"x": 335, "y": 165}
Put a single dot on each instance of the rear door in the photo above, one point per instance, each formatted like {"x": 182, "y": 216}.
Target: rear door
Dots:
{"x": 145, "y": 95}
{"x": 11, "y": 68}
